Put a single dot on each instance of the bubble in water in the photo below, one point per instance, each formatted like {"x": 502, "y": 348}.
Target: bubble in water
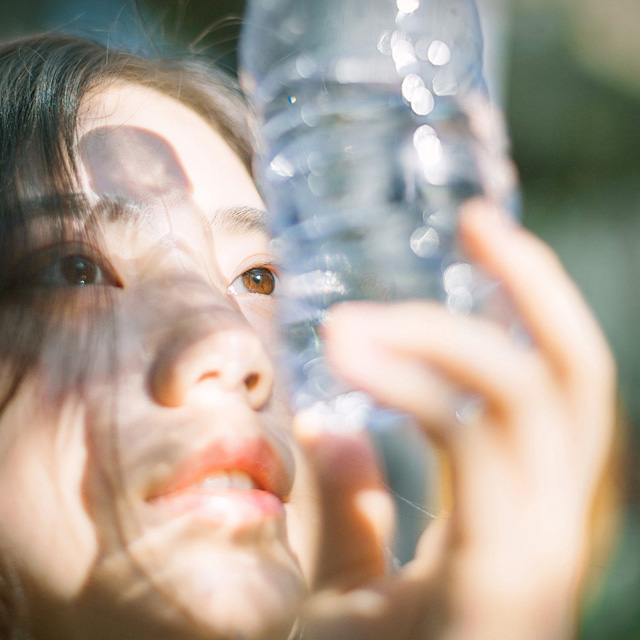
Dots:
{"x": 425, "y": 242}
{"x": 410, "y": 85}
{"x": 422, "y": 102}
{"x": 281, "y": 167}
{"x": 403, "y": 52}
{"x": 458, "y": 275}
{"x": 384, "y": 42}
{"x": 408, "y": 6}
{"x": 438, "y": 53}
{"x": 445, "y": 83}
{"x": 366, "y": 160}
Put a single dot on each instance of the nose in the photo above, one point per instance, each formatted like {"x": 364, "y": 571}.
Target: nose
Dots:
{"x": 201, "y": 359}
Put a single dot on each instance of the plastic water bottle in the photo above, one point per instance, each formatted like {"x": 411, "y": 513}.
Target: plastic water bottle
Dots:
{"x": 374, "y": 126}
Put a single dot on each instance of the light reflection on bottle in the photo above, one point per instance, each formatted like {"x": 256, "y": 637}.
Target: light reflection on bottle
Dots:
{"x": 375, "y": 128}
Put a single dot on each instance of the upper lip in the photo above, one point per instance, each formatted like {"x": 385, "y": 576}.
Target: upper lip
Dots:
{"x": 254, "y": 456}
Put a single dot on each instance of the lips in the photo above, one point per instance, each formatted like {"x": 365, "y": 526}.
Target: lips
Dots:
{"x": 232, "y": 482}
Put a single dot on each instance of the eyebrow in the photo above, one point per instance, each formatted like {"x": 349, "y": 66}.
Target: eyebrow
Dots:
{"x": 77, "y": 206}
{"x": 239, "y": 219}
{"x": 233, "y": 220}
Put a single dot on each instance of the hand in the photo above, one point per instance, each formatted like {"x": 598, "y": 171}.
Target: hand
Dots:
{"x": 507, "y": 560}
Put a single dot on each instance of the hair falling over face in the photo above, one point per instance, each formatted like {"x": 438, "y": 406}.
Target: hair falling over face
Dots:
{"x": 151, "y": 486}
{"x": 145, "y": 447}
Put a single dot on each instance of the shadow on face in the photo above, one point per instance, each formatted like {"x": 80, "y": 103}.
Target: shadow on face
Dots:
{"x": 146, "y": 459}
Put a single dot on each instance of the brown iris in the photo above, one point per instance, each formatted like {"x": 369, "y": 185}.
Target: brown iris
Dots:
{"x": 78, "y": 270}
{"x": 259, "y": 280}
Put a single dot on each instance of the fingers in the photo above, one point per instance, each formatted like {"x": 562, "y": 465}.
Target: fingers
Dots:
{"x": 367, "y": 614}
{"x": 567, "y": 336}
{"x": 407, "y": 605}
{"x": 412, "y": 366}
{"x": 356, "y": 346}
{"x": 416, "y": 356}
{"x": 356, "y": 511}
{"x": 550, "y": 304}
{"x": 521, "y": 471}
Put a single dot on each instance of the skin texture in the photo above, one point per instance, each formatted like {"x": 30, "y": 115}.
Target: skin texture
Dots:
{"x": 158, "y": 372}
{"x": 177, "y": 383}
{"x": 508, "y": 558}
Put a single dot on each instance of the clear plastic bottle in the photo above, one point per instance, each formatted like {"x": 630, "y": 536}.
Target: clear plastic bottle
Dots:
{"x": 374, "y": 126}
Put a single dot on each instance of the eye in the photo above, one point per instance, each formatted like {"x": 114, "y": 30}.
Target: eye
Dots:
{"x": 62, "y": 266}
{"x": 75, "y": 270}
{"x": 260, "y": 280}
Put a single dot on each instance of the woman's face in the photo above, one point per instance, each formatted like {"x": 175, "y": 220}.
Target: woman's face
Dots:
{"x": 149, "y": 482}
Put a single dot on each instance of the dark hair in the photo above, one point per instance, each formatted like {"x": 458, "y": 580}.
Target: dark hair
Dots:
{"x": 43, "y": 80}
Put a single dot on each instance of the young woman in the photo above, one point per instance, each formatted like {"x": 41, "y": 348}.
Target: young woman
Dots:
{"x": 152, "y": 481}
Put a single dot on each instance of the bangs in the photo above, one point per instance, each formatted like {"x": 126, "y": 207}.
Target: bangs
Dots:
{"x": 38, "y": 105}
{"x": 43, "y": 81}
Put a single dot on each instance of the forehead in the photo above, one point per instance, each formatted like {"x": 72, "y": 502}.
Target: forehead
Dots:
{"x": 155, "y": 142}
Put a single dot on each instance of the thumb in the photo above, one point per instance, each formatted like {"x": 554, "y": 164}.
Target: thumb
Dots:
{"x": 357, "y": 516}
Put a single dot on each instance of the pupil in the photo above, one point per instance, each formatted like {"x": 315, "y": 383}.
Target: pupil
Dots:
{"x": 78, "y": 270}
{"x": 259, "y": 281}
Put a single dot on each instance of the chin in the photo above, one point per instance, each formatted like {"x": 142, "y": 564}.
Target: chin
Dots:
{"x": 185, "y": 585}
{"x": 236, "y": 593}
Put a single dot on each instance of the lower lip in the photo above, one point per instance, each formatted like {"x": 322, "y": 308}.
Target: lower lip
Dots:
{"x": 229, "y": 507}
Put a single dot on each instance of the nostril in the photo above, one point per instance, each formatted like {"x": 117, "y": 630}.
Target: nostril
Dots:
{"x": 206, "y": 376}
{"x": 251, "y": 381}
{"x": 197, "y": 365}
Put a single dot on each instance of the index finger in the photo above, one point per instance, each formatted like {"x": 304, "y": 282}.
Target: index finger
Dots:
{"x": 553, "y": 309}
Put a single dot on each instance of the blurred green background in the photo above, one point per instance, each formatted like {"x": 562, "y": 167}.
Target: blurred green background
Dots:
{"x": 567, "y": 73}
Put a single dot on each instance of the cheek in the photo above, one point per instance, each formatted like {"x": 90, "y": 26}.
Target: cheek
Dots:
{"x": 260, "y": 312}
{"x": 45, "y": 531}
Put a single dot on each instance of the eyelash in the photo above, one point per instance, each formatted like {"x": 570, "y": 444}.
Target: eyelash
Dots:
{"x": 56, "y": 267}
{"x": 266, "y": 274}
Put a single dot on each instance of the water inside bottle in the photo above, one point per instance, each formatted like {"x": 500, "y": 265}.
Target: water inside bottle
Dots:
{"x": 374, "y": 128}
